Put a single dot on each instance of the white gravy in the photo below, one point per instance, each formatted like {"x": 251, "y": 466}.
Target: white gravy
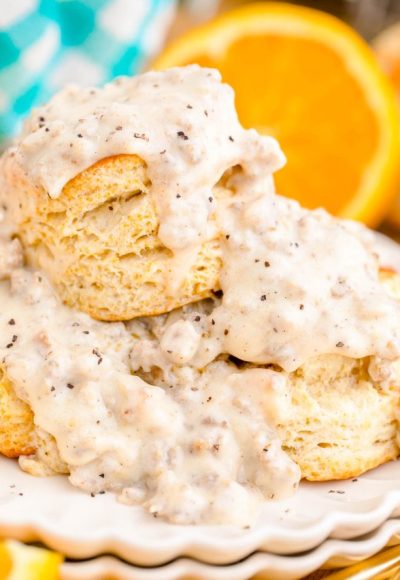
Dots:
{"x": 298, "y": 284}
{"x": 198, "y": 448}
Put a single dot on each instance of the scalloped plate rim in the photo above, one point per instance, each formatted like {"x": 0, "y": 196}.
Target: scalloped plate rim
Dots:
{"x": 343, "y": 552}
{"x": 212, "y": 545}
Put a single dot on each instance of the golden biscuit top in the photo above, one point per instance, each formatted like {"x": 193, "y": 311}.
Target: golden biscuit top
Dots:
{"x": 181, "y": 122}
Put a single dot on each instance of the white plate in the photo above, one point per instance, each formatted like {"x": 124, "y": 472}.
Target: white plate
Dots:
{"x": 80, "y": 526}
{"x": 267, "y": 566}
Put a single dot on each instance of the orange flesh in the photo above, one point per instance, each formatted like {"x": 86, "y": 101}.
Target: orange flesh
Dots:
{"x": 311, "y": 103}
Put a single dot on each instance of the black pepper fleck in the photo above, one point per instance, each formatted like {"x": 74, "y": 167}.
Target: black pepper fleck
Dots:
{"x": 231, "y": 138}
{"x": 226, "y": 332}
{"x": 263, "y": 298}
{"x": 339, "y": 344}
{"x": 197, "y": 319}
{"x": 267, "y": 264}
{"x": 80, "y": 135}
{"x": 182, "y": 135}
{"x": 11, "y": 321}
{"x": 96, "y": 353}
{"x": 301, "y": 306}
{"x": 70, "y": 386}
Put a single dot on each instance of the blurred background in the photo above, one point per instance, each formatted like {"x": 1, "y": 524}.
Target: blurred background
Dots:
{"x": 369, "y": 17}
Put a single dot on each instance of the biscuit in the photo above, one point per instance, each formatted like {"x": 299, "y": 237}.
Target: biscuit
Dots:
{"x": 340, "y": 422}
{"x": 97, "y": 242}
{"x": 17, "y": 430}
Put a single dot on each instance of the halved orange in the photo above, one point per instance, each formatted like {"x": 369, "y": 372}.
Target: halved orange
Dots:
{"x": 308, "y": 79}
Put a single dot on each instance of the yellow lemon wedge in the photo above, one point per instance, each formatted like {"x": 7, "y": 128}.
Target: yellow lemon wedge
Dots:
{"x": 309, "y": 80}
{"x": 20, "y": 562}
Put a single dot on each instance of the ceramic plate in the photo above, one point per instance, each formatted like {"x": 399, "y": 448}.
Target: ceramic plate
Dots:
{"x": 80, "y": 526}
{"x": 267, "y": 566}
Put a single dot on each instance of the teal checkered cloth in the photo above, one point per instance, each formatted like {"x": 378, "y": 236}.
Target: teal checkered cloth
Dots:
{"x": 47, "y": 43}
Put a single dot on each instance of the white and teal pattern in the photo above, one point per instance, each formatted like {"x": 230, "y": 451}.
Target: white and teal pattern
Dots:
{"x": 47, "y": 43}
